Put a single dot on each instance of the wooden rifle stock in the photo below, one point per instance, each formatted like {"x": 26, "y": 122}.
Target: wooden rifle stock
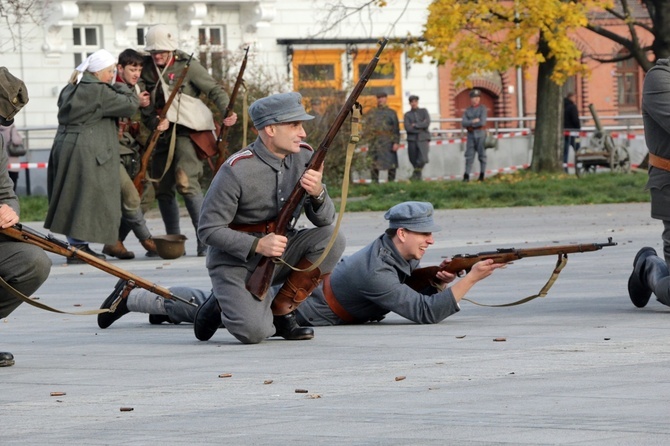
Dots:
{"x": 260, "y": 280}
{"x": 51, "y": 244}
{"x": 138, "y": 181}
{"x": 422, "y": 277}
{"x": 222, "y": 139}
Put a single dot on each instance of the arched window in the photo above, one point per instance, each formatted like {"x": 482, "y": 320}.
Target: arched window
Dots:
{"x": 628, "y": 85}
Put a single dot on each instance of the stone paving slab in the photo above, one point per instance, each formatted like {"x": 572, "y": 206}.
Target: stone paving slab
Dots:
{"x": 579, "y": 367}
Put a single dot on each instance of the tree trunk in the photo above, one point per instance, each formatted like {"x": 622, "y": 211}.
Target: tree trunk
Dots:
{"x": 547, "y": 147}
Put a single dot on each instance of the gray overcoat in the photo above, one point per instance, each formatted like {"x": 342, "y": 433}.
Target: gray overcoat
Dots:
{"x": 83, "y": 174}
{"x": 382, "y": 130}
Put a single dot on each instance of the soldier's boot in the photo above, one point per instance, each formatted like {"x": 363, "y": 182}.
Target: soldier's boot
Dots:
{"x": 298, "y": 286}
{"x": 466, "y": 177}
{"x": 481, "y": 176}
{"x": 650, "y": 275}
{"x": 150, "y": 246}
{"x": 107, "y": 319}
{"x": 207, "y": 319}
{"x": 118, "y": 250}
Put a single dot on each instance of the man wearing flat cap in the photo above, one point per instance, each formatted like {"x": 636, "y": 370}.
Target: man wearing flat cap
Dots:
{"x": 245, "y": 195}
{"x": 381, "y": 131}
{"x": 474, "y": 121}
{"x": 370, "y": 283}
{"x": 23, "y": 266}
{"x": 193, "y": 121}
{"x": 417, "y": 121}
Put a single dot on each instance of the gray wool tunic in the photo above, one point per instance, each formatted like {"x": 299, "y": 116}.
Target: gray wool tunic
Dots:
{"x": 369, "y": 284}
{"x": 83, "y": 174}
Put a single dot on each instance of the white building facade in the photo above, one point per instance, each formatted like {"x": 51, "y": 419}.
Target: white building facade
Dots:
{"x": 303, "y": 43}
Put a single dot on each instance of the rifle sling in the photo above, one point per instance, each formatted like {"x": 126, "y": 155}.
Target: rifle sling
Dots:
{"x": 560, "y": 264}
{"x": 19, "y": 295}
{"x": 659, "y": 162}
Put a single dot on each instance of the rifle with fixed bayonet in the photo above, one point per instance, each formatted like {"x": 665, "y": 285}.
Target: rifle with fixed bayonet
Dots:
{"x": 222, "y": 138}
{"x": 259, "y": 281}
{"x": 138, "y": 181}
{"x": 423, "y": 277}
{"x": 49, "y": 243}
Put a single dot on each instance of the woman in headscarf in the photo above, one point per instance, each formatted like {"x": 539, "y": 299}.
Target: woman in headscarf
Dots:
{"x": 83, "y": 174}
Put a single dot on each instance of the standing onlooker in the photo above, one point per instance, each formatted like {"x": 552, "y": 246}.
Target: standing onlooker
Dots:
{"x": 417, "y": 121}
{"x": 129, "y": 69}
{"x": 23, "y": 266}
{"x": 382, "y": 132}
{"x": 570, "y": 123}
{"x": 474, "y": 120}
{"x": 83, "y": 175}
{"x": 162, "y": 70}
{"x": 10, "y": 136}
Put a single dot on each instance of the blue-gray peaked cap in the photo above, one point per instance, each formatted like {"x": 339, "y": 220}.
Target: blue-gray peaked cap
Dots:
{"x": 278, "y": 108}
{"x": 416, "y": 216}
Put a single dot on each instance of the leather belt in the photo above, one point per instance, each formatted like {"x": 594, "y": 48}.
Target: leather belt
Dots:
{"x": 659, "y": 162}
{"x": 333, "y": 303}
{"x": 266, "y": 227}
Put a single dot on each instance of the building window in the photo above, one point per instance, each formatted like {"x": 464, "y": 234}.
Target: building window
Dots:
{"x": 317, "y": 73}
{"x": 211, "y": 41}
{"x": 628, "y": 94}
{"x": 387, "y": 78}
{"x": 86, "y": 40}
{"x": 141, "y": 36}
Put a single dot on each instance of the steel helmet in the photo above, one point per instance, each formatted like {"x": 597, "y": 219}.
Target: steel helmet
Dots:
{"x": 160, "y": 38}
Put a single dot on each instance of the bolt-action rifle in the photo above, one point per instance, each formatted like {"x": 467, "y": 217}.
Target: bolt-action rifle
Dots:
{"x": 259, "y": 281}
{"x": 222, "y": 138}
{"x": 423, "y": 277}
{"x": 138, "y": 181}
{"x": 51, "y": 244}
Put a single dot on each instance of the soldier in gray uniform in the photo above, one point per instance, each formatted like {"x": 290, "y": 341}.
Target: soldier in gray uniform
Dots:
{"x": 23, "y": 266}
{"x": 245, "y": 196}
{"x": 417, "y": 121}
{"x": 382, "y": 132}
{"x": 363, "y": 287}
{"x": 162, "y": 69}
{"x": 474, "y": 121}
{"x": 650, "y": 271}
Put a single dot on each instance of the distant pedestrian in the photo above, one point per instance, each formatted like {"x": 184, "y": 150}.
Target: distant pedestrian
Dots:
{"x": 11, "y": 136}
{"x": 474, "y": 121}
{"x": 382, "y": 132}
{"x": 417, "y": 121}
{"x": 572, "y": 123}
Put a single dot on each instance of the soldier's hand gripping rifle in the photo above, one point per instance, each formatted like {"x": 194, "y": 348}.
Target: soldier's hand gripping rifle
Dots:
{"x": 222, "y": 139}
{"x": 423, "y": 277}
{"x": 52, "y": 244}
{"x": 138, "y": 181}
{"x": 260, "y": 280}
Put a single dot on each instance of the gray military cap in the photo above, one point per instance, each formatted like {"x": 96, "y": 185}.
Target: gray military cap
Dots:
{"x": 415, "y": 216}
{"x": 278, "y": 108}
{"x": 13, "y": 96}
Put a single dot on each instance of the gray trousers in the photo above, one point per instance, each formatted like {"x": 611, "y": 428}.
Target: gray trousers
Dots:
{"x": 475, "y": 145}
{"x": 251, "y": 320}
{"x": 666, "y": 241}
{"x": 23, "y": 266}
{"x": 132, "y": 217}
{"x": 144, "y": 301}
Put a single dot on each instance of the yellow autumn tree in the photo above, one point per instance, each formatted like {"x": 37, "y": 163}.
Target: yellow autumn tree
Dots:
{"x": 480, "y": 36}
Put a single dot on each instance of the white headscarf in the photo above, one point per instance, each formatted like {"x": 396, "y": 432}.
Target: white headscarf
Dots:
{"x": 97, "y": 61}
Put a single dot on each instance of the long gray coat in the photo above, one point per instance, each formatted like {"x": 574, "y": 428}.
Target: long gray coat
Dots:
{"x": 382, "y": 130}
{"x": 83, "y": 173}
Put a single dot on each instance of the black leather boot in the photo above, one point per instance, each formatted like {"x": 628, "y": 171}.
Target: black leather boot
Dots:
{"x": 107, "y": 319}
{"x": 287, "y": 327}
{"x": 207, "y": 319}
{"x": 157, "y": 319}
{"x": 6, "y": 359}
{"x": 648, "y": 271}
{"x": 466, "y": 177}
